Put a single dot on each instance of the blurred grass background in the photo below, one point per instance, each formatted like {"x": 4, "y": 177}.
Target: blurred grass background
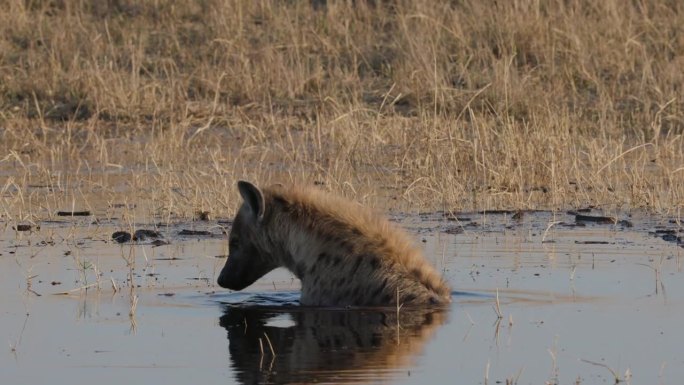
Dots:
{"x": 416, "y": 104}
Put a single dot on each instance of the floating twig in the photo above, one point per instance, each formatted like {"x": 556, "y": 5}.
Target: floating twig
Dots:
{"x": 615, "y": 375}
{"x": 497, "y": 307}
{"x": 75, "y": 290}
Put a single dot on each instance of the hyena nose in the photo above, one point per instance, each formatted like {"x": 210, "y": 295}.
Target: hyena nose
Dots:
{"x": 221, "y": 281}
{"x": 231, "y": 280}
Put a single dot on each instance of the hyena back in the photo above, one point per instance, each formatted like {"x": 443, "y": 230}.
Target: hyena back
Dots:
{"x": 342, "y": 254}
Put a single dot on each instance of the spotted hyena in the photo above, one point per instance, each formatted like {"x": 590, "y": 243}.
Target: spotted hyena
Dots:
{"x": 343, "y": 254}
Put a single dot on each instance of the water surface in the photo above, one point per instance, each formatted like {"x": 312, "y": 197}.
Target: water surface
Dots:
{"x": 576, "y": 302}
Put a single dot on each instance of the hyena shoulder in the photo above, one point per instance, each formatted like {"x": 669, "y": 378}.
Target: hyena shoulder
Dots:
{"x": 361, "y": 255}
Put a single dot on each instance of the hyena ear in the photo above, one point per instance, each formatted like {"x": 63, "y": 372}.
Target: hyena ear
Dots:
{"x": 254, "y": 199}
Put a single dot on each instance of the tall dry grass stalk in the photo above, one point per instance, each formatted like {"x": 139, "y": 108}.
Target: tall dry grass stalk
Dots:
{"x": 409, "y": 104}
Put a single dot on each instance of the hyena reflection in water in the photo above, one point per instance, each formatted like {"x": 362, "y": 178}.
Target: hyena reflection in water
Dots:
{"x": 327, "y": 345}
{"x": 342, "y": 254}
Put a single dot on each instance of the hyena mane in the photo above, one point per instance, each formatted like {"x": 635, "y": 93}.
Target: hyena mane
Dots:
{"x": 343, "y": 254}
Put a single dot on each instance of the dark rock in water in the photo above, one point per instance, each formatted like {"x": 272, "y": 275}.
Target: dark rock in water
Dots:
{"x": 159, "y": 242}
{"x": 84, "y": 213}
{"x": 24, "y": 227}
{"x": 453, "y": 230}
{"x": 498, "y": 212}
{"x": 194, "y": 232}
{"x": 670, "y": 237}
{"x": 142, "y": 234}
{"x": 453, "y": 217}
{"x": 595, "y": 219}
{"x": 123, "y": 206}
{"x": 139, "y": 235}
{"x": 121, "y": 236}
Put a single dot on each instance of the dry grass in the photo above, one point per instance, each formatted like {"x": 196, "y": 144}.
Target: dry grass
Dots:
{"x": 407, "y": 104}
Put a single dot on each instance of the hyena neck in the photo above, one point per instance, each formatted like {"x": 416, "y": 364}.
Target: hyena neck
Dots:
{"x": 299, "y": 252}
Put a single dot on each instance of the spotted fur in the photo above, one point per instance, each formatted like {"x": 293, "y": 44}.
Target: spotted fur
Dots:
{"x": 342, "y": 253}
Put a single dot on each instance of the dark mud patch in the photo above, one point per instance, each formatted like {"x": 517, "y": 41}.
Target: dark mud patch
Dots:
{"x": 144, "y": 234}
{"x": 83, "y": 213}
{"x": 670, "y": 235}
{"x": 453, "y": 230}
{"x": 140, "y": 235}
{"x": 195, "y": 233}
{"x": 25, "y": 227}
{"x": 158, "y": 238}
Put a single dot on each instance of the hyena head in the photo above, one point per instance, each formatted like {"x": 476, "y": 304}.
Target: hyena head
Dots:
{"x": 248, "y": 258}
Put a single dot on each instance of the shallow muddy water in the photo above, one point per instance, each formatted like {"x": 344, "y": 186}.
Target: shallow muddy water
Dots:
{"x": 576, "y": 303}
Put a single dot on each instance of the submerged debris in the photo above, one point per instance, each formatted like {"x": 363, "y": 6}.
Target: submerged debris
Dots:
{"x": 453, "y": 230}
{"x": 595, "y": 219}
{"x": 454, "y": 217}
{"x": 160, "y": 242}
{"x": 143, "y": 234}
{"x": 568, "y": 224}
{"x": 123, "y": 206}
{"x": 84, "y": 213}
{"x": 498, "y": 212}
{"x": 599, "y": 219}
{"x": 139, "y": 235}
{"x": 194, "y": 232}
{"x": 669, "y": 235}
{"x": 670, "y": 238}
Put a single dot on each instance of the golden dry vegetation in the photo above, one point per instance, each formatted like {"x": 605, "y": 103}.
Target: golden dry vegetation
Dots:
{"x": 413, "y": 105}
